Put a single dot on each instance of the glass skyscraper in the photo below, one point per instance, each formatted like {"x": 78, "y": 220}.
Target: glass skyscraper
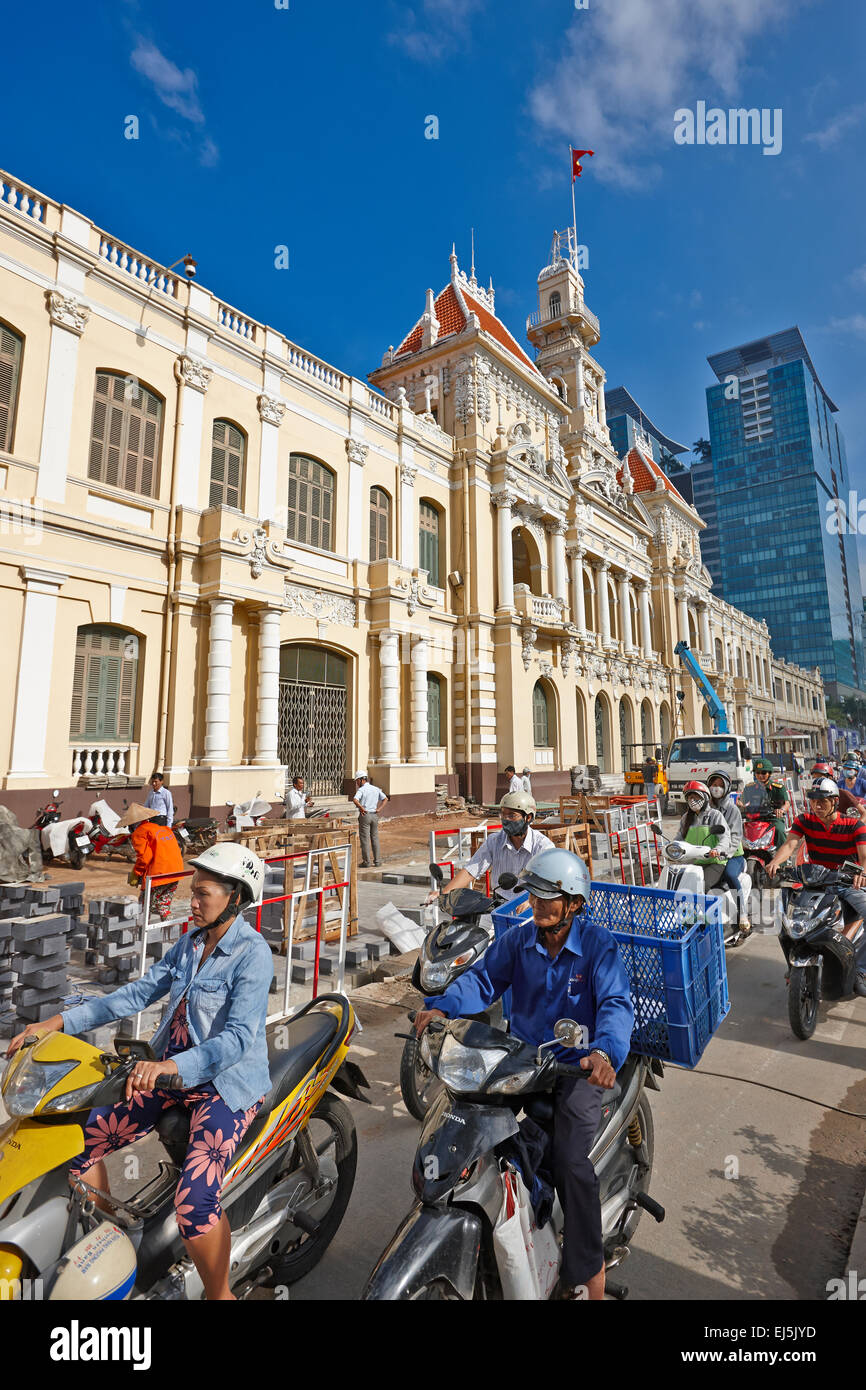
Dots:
{"x": 778, "y": 468}
{"x": 626, "y": 421}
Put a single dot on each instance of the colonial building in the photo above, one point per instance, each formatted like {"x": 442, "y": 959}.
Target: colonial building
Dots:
{"x": 221, "y": 556}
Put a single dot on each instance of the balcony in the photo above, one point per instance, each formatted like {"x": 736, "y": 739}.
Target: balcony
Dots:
{"x": 113, "y": 762}
{"x": 542, "y": 609}
{"x": 574, "y": 313}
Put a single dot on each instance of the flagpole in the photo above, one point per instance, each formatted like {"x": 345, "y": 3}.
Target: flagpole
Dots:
{"x": 573, "y": 206}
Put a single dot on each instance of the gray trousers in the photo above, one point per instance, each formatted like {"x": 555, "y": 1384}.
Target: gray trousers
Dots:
{"x": 368, "y": 826}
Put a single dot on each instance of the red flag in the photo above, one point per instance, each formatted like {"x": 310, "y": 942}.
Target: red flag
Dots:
{"x": 576, "y": 156}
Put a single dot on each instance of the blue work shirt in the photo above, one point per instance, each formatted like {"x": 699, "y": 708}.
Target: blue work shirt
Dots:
{"x": 161, "y": 802}
{"x": 586, "y": 981}
{"x": 226, "y": 1008}
{"x": 859, "y": 787}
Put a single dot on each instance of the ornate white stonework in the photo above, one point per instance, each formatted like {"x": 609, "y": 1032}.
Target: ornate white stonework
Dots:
{"x": 356, "y": 450}
{"x": 193, "y": 372}
{"x": 528, "y": 634}
{"x": 317, "y": 603}
{"x": 416, "y": 593}
{"x": 260, "y": 548}
{"x": 67, "y": 312}
{"x": 408, "y": 472}
{"x": 271, "y": 409}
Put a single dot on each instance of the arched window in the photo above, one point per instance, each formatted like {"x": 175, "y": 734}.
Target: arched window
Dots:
{"x": 429, "y": 541}
{"x": 380, "y": 524}
{"x": 11, "y": 350}
{"x": 626, "y": 732}
{"x": 227, "y": 454}
{"x": 540, "y": 717}
{"x": 104, "y": 684}
{"x": 720, "y": 660}
{"x": 600, "y": 734}
{"x": 311, "y": 503}
{"x": 434, "y": 712}
{"x": 554, "y": 305}
{"x": 125, "y": 434}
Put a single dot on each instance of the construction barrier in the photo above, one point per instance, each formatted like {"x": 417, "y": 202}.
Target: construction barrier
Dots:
{"x": 469, "y": 840}
{"x": 291, "y": 912}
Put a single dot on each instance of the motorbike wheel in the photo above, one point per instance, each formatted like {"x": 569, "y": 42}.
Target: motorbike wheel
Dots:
{"x": 330, "y": 1126}
{"x": 645, "y": 1114}
{"x": 418, "y": 1086}
{"x": 803, "y": 996}
{"x": 75, "y": 856}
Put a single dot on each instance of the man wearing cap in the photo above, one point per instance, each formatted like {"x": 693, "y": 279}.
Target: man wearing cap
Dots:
{"x": 774, "y": 793}
{"x": 157, "y": 852}
{"x": 368, "y": 799}
{"x": 506, "y": 851}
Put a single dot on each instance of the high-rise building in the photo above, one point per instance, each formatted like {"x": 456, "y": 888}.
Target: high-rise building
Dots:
{"x": 628, "y": 424}
{"x": 779, "y": 476}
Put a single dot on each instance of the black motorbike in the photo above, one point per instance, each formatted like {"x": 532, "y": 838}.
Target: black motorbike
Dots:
{"x": 444, "y": 1250}
{"x": 448, "y": 950}
{"x": 822, "y": 962}
{"x": 195, "y": 834}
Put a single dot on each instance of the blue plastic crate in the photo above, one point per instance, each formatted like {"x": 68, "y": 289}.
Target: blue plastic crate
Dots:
{"x": 672, "y": 947}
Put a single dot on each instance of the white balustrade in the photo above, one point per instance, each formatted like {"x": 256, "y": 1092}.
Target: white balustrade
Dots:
{"x": 121, "y": 257}
{"x": 320, "y": 371}
{"x": 229, "y": 318}
{"x": 102, "y": 760}
{"x": 380, "y": 406}
{"x": 22, "y": 199}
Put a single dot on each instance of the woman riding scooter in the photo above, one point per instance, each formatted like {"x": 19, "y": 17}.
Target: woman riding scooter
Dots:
{"x": 719, "y": 785}
{"x": 212, "y": 1036}
{"x": 704, "y": 821}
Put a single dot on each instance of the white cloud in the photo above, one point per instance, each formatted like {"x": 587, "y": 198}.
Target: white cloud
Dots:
{"x": 435, "y": 27}
{"x": 854, "y": 324}
{"x": 628, "y": 65}
{"x": 834, "y": 130}
{"x": 858, "y": 276}
{"x": 177, "y": 89}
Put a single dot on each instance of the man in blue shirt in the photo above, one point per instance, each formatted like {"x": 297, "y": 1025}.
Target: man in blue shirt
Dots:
{"x": 159, "y": 800}
{"x": 560, "y": 965}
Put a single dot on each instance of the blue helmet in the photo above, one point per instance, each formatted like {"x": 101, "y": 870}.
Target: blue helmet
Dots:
{"x": 557, "y": 873}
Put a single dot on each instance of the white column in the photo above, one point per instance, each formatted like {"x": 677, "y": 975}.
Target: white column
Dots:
{"x": 578, "y": 604}
{"x": 556, "y": 530}
{"x": 706, "y": 639}
{"x": 359, "y": 504}
{"x": 271, "y": 412}
{"x": 420, "y": 662}
{"x": 268, "y": 694}
{"x": 219, "y": 673}
{"x": 683, "y": 615}
{"x": 195, "y": 378}
{"x": 601, "y": 571}
{"x": 35, "y": 659}
{"x": 602, "y": 408}
{"x": 408, "y": 516}
{"x": 68, "y": 320}
{"x": 502, "y": 501}
{"x": 625, "y": 613}
{"x": 389, "y": 697}
{"x": 646, "y": 636}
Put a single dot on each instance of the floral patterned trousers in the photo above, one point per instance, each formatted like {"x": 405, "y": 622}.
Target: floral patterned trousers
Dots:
{"x": 214, "y": 1134}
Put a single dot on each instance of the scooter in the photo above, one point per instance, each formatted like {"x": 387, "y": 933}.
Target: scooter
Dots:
{"x": 62, "y": 839}
{"x": 448, "y": 949}
{"x": 822, "y": 962}
{"x": 105, "y": 838}
{"x": 444, "y": 1248}
{"x": 285, "y": 1191}
{"x": 687, "y": 869}
{"x": 759, "y": 833}
{"x": 243, "y": 815}
{"x": 195, "y": 834}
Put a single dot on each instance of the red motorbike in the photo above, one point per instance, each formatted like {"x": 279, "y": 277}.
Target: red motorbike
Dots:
{"x": 759, "y": 834}
{"x": 58, "y": 839}
{"x": 105, "y": 839}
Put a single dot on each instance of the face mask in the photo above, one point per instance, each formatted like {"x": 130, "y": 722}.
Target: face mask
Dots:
{"x": 515, "y": 828}
{"x": 694, "y": 804}
{"x": 717, "y": 793}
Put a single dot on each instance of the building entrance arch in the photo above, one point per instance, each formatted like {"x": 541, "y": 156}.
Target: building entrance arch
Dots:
{"x": 313, "y": 716}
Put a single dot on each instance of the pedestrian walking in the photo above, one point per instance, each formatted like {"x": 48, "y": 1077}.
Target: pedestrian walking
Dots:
{"x": 368, "y": 799}
{"x": 159, "y": 799}
{"x": 525, "y": 782}
{"x": 157, "y": 852}
{"x": 515, "y": 783}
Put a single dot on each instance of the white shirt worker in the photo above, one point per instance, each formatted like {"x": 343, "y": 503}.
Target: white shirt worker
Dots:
{"x": 369, "y": 797}
{"x": 499, "y": 855}
{"x": 296, "y": 804}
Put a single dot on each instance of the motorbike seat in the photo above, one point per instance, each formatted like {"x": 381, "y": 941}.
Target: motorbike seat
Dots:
{"x": 308, "y": 1037}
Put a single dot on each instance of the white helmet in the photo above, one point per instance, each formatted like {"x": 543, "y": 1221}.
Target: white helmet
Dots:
{"x": 360, "y": 775}
{"x": 236, "y": 864}
{"x": 518, "y": 801}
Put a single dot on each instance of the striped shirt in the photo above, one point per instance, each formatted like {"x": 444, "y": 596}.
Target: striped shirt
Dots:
{"x": 830, "y": 844}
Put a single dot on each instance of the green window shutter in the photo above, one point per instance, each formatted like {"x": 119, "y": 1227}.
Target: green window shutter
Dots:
{"x": 434, "y": 712}
{"x": 104, "y": 685}
{"x": 10, "y": 368}
{"x": 125, "y": 435}
{"x": 428, "y": 541}
{"x": 540, "y": 723}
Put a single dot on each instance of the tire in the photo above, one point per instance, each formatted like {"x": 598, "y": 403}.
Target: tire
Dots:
{"x": 644, "y": 1110}
{"x": 294, "y": 1263}
{"x": 418, "y": 1085}
{"x": 803, "y": 996}
{"x": 76, "y": 858}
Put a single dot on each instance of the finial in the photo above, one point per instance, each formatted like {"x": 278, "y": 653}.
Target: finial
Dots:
{"x": 472, "y": 267}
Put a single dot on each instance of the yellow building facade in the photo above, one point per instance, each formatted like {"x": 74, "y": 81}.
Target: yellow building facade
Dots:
{"x": 223, "y": 557}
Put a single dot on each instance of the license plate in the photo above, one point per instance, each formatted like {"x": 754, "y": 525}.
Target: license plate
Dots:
{"x": 82, "y": 840}
{"x": 184, "y": 834}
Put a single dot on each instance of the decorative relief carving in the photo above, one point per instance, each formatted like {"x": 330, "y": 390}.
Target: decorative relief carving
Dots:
{"x": 528, "y": 634}
{"x": 67, "y": 312}
{"x": 319, "y": 604}
{"x": 260, "y": 548}
{"x": 408, "y": 472}
{"x": 271, "y": 409}
{"x": 356, "y": 450}
{"x": 193, "y": 372}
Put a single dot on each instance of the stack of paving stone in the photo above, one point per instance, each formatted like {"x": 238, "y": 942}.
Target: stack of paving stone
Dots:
{"x": 113, "y": 939}
{"x": 36, "y": 925}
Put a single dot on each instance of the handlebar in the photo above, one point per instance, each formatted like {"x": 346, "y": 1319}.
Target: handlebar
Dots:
{"x": 169, "y": 1082}
{"x": 566, "y": 1069}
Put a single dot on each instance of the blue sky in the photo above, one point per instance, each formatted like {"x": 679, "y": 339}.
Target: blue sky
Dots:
{"x": 305, "y": 126}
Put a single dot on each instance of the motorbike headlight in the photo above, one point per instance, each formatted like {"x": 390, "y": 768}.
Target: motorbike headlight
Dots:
{"x": 72, "y": 1100}
{"x": 674, "y": 852}
{"x": 507, "y": 1085}
{"x": 24, "y": 1085}
{"x": 434, "y": 976}
{"x": 466, "y": 1068}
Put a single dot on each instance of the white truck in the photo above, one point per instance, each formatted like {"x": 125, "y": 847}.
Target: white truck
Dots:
{"x": 697, "y": 757}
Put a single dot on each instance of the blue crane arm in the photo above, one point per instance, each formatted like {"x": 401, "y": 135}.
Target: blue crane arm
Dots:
{"x": 714, "y": 704}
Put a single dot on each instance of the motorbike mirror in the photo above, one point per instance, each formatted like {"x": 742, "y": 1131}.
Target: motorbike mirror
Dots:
{"x": 568, "y": 1032}
{"x": 508, "y": 881}
{"x": 56, "y": 793}
{"x": 656, "y": 826}
{"x": 436, "y": 872}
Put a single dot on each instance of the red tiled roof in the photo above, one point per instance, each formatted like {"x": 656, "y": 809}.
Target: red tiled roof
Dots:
{"x": 453, "y": 320}
{"x": 644, "y": 470}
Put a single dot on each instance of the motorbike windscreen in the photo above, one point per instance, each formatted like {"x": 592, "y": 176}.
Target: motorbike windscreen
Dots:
{"x": 754, "y": 798}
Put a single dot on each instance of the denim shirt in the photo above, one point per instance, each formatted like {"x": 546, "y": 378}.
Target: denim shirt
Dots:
{"x": 227, "y": 1004}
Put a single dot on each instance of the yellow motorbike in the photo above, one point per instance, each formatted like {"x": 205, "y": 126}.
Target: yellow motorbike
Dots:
{"x": 285, "y": 1191}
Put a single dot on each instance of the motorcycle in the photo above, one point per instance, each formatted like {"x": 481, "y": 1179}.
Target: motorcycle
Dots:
{"x": 688, "y": 870}
{"x": 195, "y": 834}
{"x": 243, "y": 815}
{"x": 62, "y": 839}
{"x": 759, "y": 833}
{"x": 822, "y": 962}
{"x": 285, "y": 1192}
{"x": 105, "y": 838}
{"x": 448, "y": 950}
{"x": 444, "y": 1248}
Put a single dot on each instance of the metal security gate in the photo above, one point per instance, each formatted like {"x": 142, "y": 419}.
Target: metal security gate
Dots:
{"x": 312, "y": 735}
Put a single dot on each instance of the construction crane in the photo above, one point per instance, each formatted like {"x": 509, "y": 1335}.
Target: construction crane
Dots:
{"x": 714, "y": 704}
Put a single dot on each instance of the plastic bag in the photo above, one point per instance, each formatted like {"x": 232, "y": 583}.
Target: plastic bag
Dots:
{"x": 527, "y": 1258}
